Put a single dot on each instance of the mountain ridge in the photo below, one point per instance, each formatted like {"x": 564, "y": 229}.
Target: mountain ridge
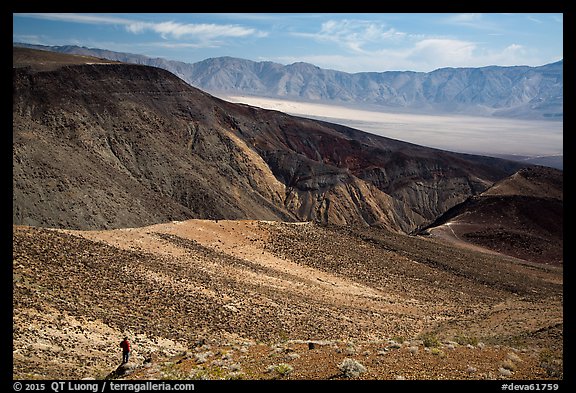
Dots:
{"x": 105, "y": 146}
{"x": 507, "y": 91}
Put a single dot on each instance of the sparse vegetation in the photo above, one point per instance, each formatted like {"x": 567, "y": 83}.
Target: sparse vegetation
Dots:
{"x": 282, "y": 369}
{"x": 202, "y": 357}
{"x": 170, "y": 372}
{"x": 509, "y": 365}
{"x": 552, "y": 364}
{"x": 514, "y": 357}
{"x": 463, "y": 339}
{"x": 254, "y": 342}
{"x": 430, "y": 340}
{"x": 351, "y": 368}
{"x": 350, "y": 349}
{"x": 214, "y": 373}
{"x": 398, "y": 339}
{"x": 136, "y": 146}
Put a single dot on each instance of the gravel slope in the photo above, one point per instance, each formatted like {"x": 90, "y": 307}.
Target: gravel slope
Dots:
{"x": 257, "y": 292}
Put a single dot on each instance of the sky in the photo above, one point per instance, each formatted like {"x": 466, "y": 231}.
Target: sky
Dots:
{"x": 350, "y": 42}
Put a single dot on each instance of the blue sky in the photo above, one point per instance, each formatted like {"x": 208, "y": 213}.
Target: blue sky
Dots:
{"x": 345, "y": 42}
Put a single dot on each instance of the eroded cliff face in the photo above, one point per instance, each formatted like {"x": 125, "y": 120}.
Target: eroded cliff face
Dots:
{"x": 429, "y": 188}
{"x": 353, "y": 202}
{"x": 116, "y": 145}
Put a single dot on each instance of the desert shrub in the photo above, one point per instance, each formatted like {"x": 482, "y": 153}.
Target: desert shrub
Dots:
{"x": 398, "y": 339}
{"x": 284, "y": 369}
{"x": 504, "y": 372}
{"x": 236, "y": 375}
{"x": 350, "y": 349}
{"x": 351, "y": 368}
{"x": 170, "y": 372}
{"x": 203, "y": 356}
{"x": 437, "y": 352}
{"x": 552, "y": 365}
{"x": 430, "y": 340}
{"x": 509, "y": 365}
{"x": 284, "y": 336}
{"x": 466, "y": 340}
{"x": 281, "y": 369}
{"x": 212, "y": 373}
{"x": 513, "y": 357}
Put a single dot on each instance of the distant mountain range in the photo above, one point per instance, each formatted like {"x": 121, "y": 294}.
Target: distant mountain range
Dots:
{"x": 518, "y": 92}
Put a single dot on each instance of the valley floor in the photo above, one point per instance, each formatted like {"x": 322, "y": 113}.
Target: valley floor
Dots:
{"x": 243, "y": 300}
{"x": 459, "y": 133}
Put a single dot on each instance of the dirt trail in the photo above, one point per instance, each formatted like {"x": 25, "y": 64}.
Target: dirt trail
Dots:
{"x": 445, "y": 232}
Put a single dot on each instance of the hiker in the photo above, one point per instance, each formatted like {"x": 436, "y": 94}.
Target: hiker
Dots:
{"x": 125, "y": 345}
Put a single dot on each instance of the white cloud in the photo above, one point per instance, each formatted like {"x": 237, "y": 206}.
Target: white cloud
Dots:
{"x": 28, "y": 38}
{"x": 167, "y": 29}
{"x": 441, "y": 51}
{"x": 474, "y": 21}
{"x": 174, "y": 45}
{"x": 465, "y": 18}
{"x": 423, "y": 55}
{"x": 180, "y": 30}
{"x": 78, "y": 18}
{"x": 535, "y": 20}
{"x": 354, "y": 35}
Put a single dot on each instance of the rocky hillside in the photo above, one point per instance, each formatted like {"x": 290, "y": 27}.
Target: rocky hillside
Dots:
{"x": 520, "y": 91}
{"x": 244, "y": 299}
{"x": 104, "y": 145}
{"x": 521, "y": 216}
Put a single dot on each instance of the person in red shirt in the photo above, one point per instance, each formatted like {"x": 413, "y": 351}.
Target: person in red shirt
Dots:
{"x": 125, "y": 345}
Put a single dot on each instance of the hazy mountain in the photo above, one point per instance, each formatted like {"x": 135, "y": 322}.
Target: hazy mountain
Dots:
{"x": 115, "y": 145}
{"x": 518, "y": 91}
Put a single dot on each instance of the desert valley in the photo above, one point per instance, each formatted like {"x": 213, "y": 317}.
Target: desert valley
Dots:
{"x": 230, "y": 241}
